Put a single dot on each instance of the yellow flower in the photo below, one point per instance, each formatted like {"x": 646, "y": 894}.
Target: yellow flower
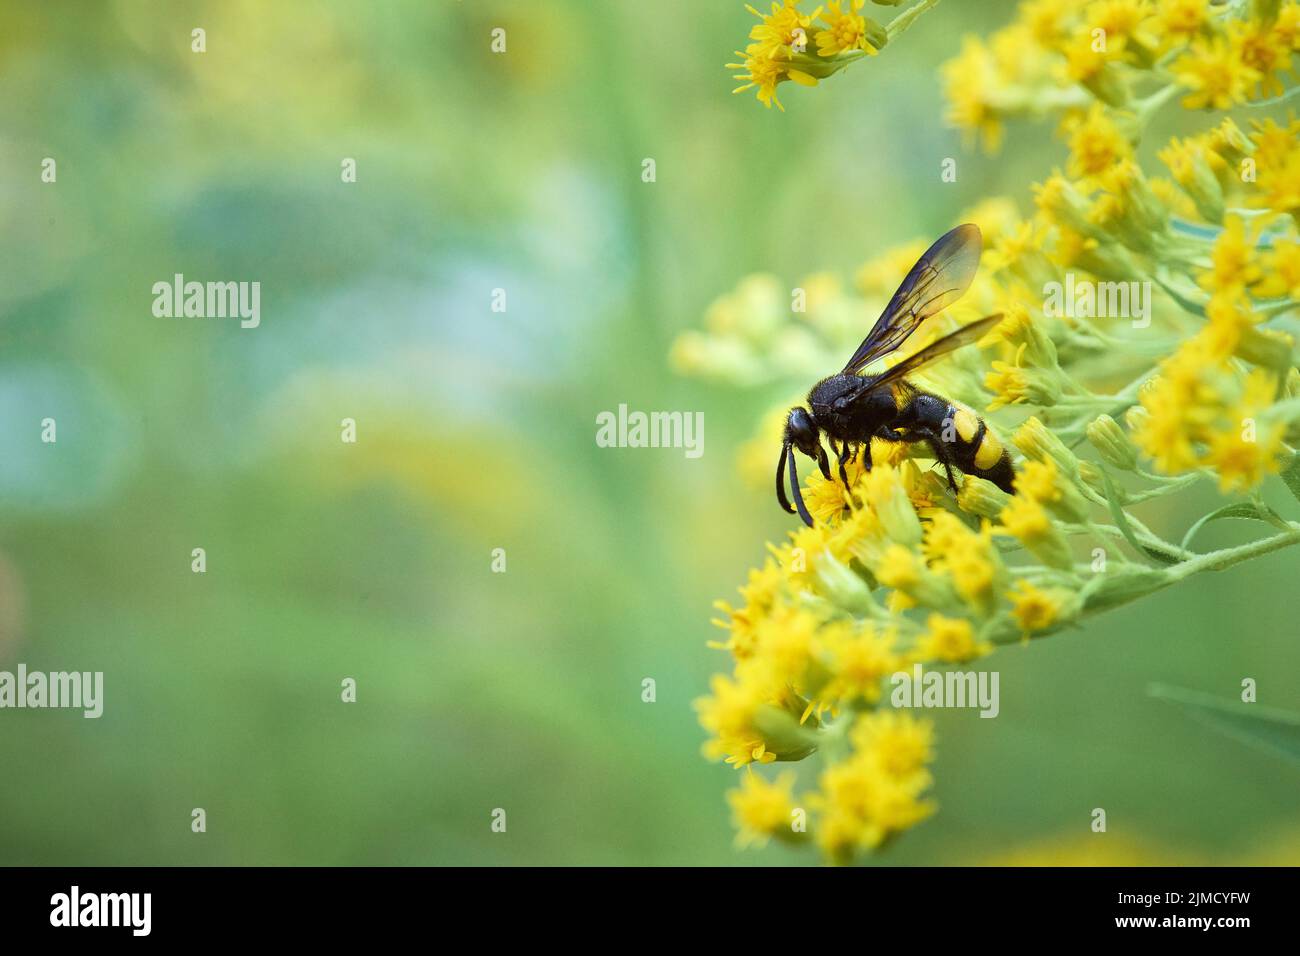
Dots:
{"x": 1278, "y": 163}
{"x": 783, "y": 28}
{"x": 1033, "y": 609}
{"x": 973, "y": 574}
{"x": 827, "y": 498}
{"x": 944, "y": 534}
{"x": 758, "y": 594}
{"x": 1214, "y": 72}
{"x": 1173, "y": 198}
{"x": 1229, "y": 317}
{"x": 1038, "y": 480}
{"x": 1248, "y": 446}
{"x": 1180, "y": 20}
{"x": 1234, "y": 259}
{"x": 1046, "y": 20}
{"x": 729, "y": 715}
{"x": 841, "y": 835}
{"x": 1264, "y": 51}
{"x": 899, "y": 568}
{"x": 845, "y": 29}
{"x": 784, "y": 645}
{"x": 1243, "y": 459}
{"x": 1287, "y": 26}
{"x": 1274, "y": 143}
{"x": 1121, "y": 19}
{"x": 1013, "y": 384}
{"x": 861, "y": 805}
{"x": 859, "y": 663}
{"x": 898, "y": 742}
{"x": 762, "y": 809}
{"x": 763, "y": 72}
{"x": 970, "y": 82}
{"x": 1281, "y": 270}
{"x": 967, "y": 556}
{"x": 1164, "y": 434}
{"x": 952, "y": 640}
{"x": 1026, "y": 520}
{"x": 1096, "y": 143}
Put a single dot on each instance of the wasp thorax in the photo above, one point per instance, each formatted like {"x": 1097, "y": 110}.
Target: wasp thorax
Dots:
{"x": 840, "y": 403}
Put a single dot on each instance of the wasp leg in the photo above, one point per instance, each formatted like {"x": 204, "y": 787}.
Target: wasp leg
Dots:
{"x": 952, "y": 484}
{"x": 944, "y": 457}
{"x": 844, "y": 457}
{"x": 940, "y": 448}
{"x": 822, "y": 463}
{"x": 866, "y": 455}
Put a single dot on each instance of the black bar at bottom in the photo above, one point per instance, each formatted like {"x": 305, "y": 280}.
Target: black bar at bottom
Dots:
{"x": 334, "y": 905}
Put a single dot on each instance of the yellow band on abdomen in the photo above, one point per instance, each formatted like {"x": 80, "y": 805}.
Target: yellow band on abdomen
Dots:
{"x": 989, "y": 451}
{"x": 966, "y": 423}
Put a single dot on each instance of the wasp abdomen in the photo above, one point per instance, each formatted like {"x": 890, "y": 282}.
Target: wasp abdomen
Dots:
{"x": 960, "y": 438}
{"x": 977, "y": 451}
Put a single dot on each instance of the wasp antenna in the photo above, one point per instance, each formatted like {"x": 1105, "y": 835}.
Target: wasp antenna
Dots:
{"x": 781, "y": 499}
{"x": 798, "y": 495}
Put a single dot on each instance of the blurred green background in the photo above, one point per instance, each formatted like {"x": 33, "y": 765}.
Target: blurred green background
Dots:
{"x": 476, "y": 430}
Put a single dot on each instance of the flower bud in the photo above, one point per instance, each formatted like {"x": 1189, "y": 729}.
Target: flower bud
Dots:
{"x": 1063, "y": 203}
{"x": 781, "y": 731}
{"x": 883, "y": 488}
{"x": 1112, "y": 443}
{"x": 981, "y": 497}
{"x": 1136, "y": 417}
{"x": 1090, "y": 474}
{"x": 1267, "y": 348}
{"x": 843, "y": 588}
{"x": 1191, "y": 168}
{"x": 1040, "y": 443}
{"x": 1014, "y": 385}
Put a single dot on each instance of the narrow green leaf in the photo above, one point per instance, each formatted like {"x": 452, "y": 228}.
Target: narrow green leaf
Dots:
{"x": 1121, "y": 522}
{"x": 1291, "y": 475}
{"x": 1264, "y": 728}
{"x": 1242, "y": 510}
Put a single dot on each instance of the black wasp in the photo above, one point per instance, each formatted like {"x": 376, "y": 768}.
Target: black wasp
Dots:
{"x": 852, "y": 409}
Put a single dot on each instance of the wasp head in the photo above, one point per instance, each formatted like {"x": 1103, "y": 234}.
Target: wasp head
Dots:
{"x": 802, "y": 433}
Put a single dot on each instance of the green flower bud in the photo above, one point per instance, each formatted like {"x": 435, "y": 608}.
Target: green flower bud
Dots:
{"x": 1112, "y": 443}
{"x": 875, "y": 33}
{"x": 841, "y": 586}
{"x": 1136, "y": 418}
{"x": 1090, "y": 474}
{"x": 1038, "y": 442}
{"x": 981, "y": 497}
{"x": 1107, "y": 84}
{"x": 1261, "y": 348}
{"x": 782, "y": 733}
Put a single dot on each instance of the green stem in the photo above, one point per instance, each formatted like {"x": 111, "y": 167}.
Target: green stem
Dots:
{"x": 1148, "y": 107}
{"x": 1227, "y": 557}
{"x": 905, "y": 19}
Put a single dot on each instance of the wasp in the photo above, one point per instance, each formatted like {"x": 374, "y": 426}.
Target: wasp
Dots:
{"x": 851, "y": 408}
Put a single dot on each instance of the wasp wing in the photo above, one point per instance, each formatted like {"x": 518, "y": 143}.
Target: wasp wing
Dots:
{"x": 938, "y": 279}
{"x": 954, "y": 340}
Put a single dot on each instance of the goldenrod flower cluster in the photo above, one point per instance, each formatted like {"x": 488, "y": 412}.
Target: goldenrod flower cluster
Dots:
{"x": 790, "y": 44}
{"x": 1147, "y": 347}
